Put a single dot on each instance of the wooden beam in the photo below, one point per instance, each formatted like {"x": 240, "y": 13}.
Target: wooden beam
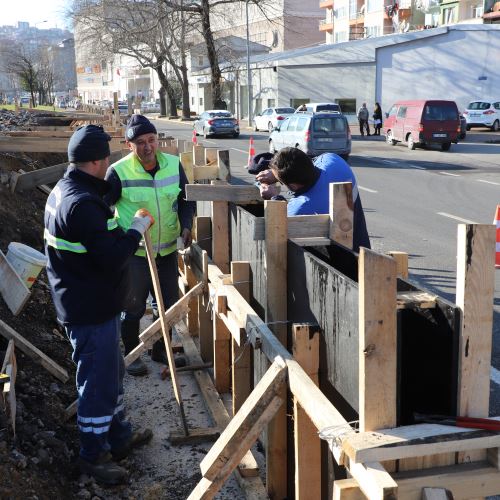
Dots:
{"x": 207, "y": 172}
{"x": 246, "y": 425}
{"x": 193, "y": 303}
{"x": 224, "y": 165}
{"x": 306, "y": 440}
{"x": 33, "y": 352}
{"x": 220, "y": 233}
{"x": 222, "y": 352}
{"x": 276, "y": 317}
{"x": 416, "y": 300}
{"x": 341, "y": 213}
{"x": 186, "y": 160}
{"x": 299, "y": 226}
{"x": 198, "y": 155}
{"x": 13, "y": 289}
{"x": 415, "y": 441}
{"x": 475, "y": 294}
{"x": 347, "y": 489}
{"x": 235, "y": 194}
{"x": 401, "y": 259}
{"x": 377, "y": 341}
{"x": 312, "y": 242}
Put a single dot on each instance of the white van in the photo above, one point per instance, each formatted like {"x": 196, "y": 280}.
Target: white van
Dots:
{"x": 320, "y": 107}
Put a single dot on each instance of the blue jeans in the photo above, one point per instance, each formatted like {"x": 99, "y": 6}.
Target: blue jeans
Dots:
{"x": 141, "y": 285}
{"x": 99, "y": 382}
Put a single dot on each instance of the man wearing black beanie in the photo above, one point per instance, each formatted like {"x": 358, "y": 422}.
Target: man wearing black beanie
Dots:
{"x": 87, "y": 254}
{"x": 154, "y": 180}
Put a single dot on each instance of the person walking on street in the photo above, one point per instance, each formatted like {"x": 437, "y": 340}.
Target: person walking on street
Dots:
{"x": 154, "y": 180}
{"x": 87, "y": 254}
{"x": 377, "y": 119}
{"x": 363, "y": 116}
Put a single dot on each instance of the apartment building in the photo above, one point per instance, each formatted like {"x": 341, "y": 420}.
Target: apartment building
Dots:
{"x": 356, "y": 19}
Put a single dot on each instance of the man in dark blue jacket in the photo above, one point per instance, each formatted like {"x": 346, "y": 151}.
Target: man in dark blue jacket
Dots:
{"x": 87, "y": 255}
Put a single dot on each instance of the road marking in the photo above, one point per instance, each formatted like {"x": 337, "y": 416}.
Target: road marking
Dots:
{"x": 390, "y": 161}
{"x": 466, "y": 221}
{"x": 416, "y": 166}
{"x": 488, "y": 182}
{"x": 361, "y": 188}
{"x": 452, "y": 175}
{"x": 495, "y": 375}
{"x": 208, "y": 140}
{"x": 240, "y": 150}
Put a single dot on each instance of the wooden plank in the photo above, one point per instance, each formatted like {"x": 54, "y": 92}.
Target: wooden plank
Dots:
{"x": 198, "y": 155}
{"x": 276, "y": 318}
{"x": 210, "y": 172}
{"x": 415, "y": 441}
{"x": 235, "y": 194}
{"x": 241, "y": 352}
{"x": 186, "y": 160}
{"x": 312, "y": 242}
{"x": 222, "y": 352}
{"x": 416, "y": 300}
{"x": 401, "y": 259}
{"x": 195, "y": 436}
{"x": 193, "y": 303}
{"x": 204, "y": 233}
{"x": 377, "y": 341}
{"x": 299, "y": 226}
{"x": 306, "y": 441}
{"x": 347, "y": 489}
{"x": 223, "y": 163}
{"x": 246, "y": 425}
{"x": 220, "y": 234}
{"x": 33, "y": 352}
{"x": 13, "y": 289}
{"x": 341, "y": 213}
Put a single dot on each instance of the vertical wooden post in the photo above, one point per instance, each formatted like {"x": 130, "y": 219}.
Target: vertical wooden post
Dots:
{"x": 475, "y": 293}
{"x": 241, "y": 353}
{"x": 204, "y": 233}
{"x": 186, "y": 160}
{"x": 193, "y": 304}
{"x": 401, "y": 259}
{"x": 220, "y": 233}
{"x": 377, "y": 341}
{"x": 116, "y": 114}
{"x": 224, "y": 166}
{"x": 198, "y": 155}
{"x": 222, "y": 337}
{"x": 341, "y": 213}
{"x": 181, "y": 145}
{"x": 276, "y": 311}
{"x": 306, "y": 440}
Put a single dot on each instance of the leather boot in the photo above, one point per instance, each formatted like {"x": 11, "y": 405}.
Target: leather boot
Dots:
{"x": 130, "y": 339}
{"x": 138, "y": 438}
{"x": 104, "y": 470}
{"x": 159, "y": 354}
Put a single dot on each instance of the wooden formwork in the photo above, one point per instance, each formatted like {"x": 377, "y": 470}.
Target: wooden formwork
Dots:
{"x": 356, "y": 340}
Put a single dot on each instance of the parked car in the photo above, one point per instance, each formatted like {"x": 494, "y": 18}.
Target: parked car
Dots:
{"x": 483, "y": 113}
{"x": 313, "y": 133}
{"x": 217, "y": 122}
{"x": 421, "y": 123}
{"x": 270, "y": 117}
{"x": 320, "y": 107}
{"x": 150, "y": 107}
{"x": 123, "y": 108}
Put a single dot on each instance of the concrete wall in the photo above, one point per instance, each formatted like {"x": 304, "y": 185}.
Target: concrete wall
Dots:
{"x": 446, "y": 67}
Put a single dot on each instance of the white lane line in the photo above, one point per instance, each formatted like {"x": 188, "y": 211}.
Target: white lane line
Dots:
{"x": 416, "y": 166}
{"x": 361, "y": 188}
{"x": 390, "y": 161}
{"x": 488, "y": 182}
{"x": 495, "y": 375}
{"x": 466, "y": 221}
{"x": 240, "y": 150}
{"x": 208, "y": 140}
{"x": 452, "y": 175}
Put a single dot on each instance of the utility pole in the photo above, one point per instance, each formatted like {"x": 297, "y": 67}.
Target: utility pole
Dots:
{"x": 249, "y": 72}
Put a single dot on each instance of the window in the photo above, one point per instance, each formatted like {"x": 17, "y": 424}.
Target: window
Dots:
{"x": 440, "y": 112}
{"x": 280, "y": 111}
{"x": 372, "y": 31}
{"x": 347, "y": 106}
{"x": 478, "y": 105}
{"x": 392, "y": 111}
{"x": 477, "y": 10}
{"x": 271, "y": 103}
{"x": 284, "y": 125}
{"x": 341, "y": 36}
{"x": 292, "y": 124}
{"x": 402, "y": 112}
{"x": 259, "y": 38}
{"x": 192, "y": 101}
{"x": 353, "y": 9}
{"x": 201, "y": 101}
{"x": 301, "y": 124}
{"x": 374, "y": 5}
{"x": 449, "y": 15}
{"x": 258, "y": 106}
{"x": 496, "y": 105}
{"x": 267, "y": 112}
{"x": 327, "y": 107}
{"x": 340, "y": 13}
{"x": 200, "y": 60}
{"x": 328, "y": 125}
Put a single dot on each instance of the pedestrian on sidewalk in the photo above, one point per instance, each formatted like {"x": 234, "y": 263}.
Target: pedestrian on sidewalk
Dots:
{"x": 377, "y": 119}
{"x": 363, "y": 115}
{"x": 154, "y": 180}
{"x": 87, "y": 254}
{"x": 309, "y": 181}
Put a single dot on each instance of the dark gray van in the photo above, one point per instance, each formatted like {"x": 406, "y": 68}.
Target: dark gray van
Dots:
{"x": 313, "y": 133}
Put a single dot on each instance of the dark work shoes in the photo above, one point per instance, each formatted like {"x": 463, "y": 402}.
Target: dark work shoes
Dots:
{"x": 137, "y": 368}
{"x": 137, "y": 439}
{"x": 159, "y": 354}
{"x": 104, "y": 470}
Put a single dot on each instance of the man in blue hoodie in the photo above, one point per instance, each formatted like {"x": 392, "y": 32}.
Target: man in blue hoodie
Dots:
{"x": 309, "y": 183}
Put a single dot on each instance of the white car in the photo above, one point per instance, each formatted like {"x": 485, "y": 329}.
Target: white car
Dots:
{"x": 483, "y": 113}
{"x": 270, "y": 117}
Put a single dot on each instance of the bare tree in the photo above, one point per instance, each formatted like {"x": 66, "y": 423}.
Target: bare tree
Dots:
{"x": 146, "y": 31}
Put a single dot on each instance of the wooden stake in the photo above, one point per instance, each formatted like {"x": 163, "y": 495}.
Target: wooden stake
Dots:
{"x": 341, "y": 213}
{"x": 164, "y": 327}
{"x": 222, "y": 349}
{"x": 220, "y": 235}
{"x": 401, "y": 259}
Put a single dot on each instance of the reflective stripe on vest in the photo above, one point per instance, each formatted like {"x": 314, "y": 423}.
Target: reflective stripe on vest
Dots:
{"x": 158, "y": 195}
{"x": 62, "y": 244}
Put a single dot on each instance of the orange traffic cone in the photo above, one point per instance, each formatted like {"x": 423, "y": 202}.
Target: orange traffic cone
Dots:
{"x": 497, "y": 224}
{"x": 194, "y": 140}
{"x": 251, "y": 152}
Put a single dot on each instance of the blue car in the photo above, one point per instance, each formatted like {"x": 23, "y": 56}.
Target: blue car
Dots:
{"x": 217, "y": 122}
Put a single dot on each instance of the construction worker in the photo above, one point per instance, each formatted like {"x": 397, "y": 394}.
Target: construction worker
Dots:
{"x": 309, "y": 183}
{"x": 87, "y": 254}
{"x": 155, "y": 180}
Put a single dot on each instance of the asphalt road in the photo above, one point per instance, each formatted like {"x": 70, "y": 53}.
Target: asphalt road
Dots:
{"x": 413, "y": 201}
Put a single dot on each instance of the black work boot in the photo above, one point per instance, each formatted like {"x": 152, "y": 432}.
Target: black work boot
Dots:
{"x": 104, "y": 470}
{"x": 159, "y": 354}
{"x": 130, "y": 339}
{"x": 138, "y": 438}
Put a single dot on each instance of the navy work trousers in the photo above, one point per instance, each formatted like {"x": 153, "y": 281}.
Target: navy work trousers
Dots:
{"x": 99, "y": 382}
{"x": 141, "y": 285}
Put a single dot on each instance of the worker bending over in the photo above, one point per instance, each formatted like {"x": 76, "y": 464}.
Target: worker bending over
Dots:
{"x": 87, "y": 261}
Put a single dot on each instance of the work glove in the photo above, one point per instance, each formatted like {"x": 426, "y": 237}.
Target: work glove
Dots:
{"x": 142, "y": 221}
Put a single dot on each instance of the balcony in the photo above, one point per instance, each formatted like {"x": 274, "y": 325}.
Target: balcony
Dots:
{"x": 325, "y": 4}
{"x": 356, "y": 18}
{"x": 326, "y": 25}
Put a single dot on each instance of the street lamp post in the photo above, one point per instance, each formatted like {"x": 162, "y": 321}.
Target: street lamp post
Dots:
{"x": 249, "y": 73}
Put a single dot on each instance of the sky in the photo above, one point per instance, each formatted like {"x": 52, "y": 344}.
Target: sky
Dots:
{"x": 34, "y": 12}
